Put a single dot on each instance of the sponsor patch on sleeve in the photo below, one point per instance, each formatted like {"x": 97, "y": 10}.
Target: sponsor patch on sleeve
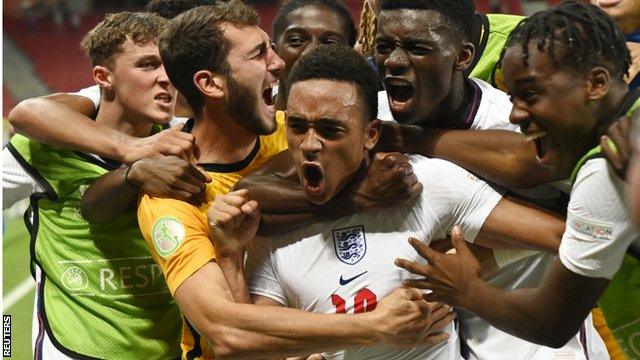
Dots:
{"x": 598, "y": 230}
{"x": 168, "y": 234}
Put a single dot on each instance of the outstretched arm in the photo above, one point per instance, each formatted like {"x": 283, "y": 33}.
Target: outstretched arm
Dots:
{"x": 388, "y": 181}
{"x": 516, "y": 224}
{"x": 62, "y": 120}
{"x": 117, "y": 191}
{"x": 500, "y": 156}
{"x": 549, "y": 314}
{"x": 244, "y": 331}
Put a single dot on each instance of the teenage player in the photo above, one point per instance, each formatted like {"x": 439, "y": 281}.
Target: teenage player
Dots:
{"x": 565, "y": 87}
{"x": 99, "y": 293}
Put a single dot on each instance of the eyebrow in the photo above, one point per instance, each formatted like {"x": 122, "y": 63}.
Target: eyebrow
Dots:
{"x": 298, "y": 28}
{"x": 258, "y": 49}
{"x": 526, "y": 80}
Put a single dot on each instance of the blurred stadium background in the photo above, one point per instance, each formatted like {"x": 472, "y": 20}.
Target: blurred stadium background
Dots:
{"x": 41, "y": 55}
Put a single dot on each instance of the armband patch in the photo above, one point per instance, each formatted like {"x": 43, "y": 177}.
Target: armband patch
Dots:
{"x": 168, "y": 234}
{"x": 591, "y": 228}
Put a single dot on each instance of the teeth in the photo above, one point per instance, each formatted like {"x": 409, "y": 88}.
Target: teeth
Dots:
{"x": 535, "y": 135}
{"x": 398, "y": 82}
{"x": 272, "y": 84}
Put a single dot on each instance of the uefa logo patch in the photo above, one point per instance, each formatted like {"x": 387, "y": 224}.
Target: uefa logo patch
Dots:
{"x": 168, "y": 234}
{"x": 350, "y": 244}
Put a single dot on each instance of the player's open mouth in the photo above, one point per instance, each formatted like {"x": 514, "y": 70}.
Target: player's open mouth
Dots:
{"x": 312, "y": 178}
{"x": 267, "y": 95}
{"x": 165, "y": 98}
{"x": 539, "y": 138}
{"x": 400, "y": 92}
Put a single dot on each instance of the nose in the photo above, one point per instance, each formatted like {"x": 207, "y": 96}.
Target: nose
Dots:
{"x": 311, "y": 145}
{"x": 519, "y": 114}
{"x": 275, "y": 64}
{"x": 397, "y": 61}
{"x": 310, "y": 46}
{"x": 163, "y": 78}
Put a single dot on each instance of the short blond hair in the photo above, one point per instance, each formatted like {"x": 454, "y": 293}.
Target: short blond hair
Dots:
{"x": 105, "y": 40}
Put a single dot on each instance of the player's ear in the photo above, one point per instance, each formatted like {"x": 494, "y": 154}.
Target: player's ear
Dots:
{"x": 103, "y": 77}
{"x": 210, "y": 84}
{"x": 465, "y": 56}
{"x": 373, "y": 130}
{"x": 598, "y": 82}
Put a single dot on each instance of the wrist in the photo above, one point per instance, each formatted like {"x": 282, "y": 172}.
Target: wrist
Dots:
{"x": 368, "y": 328}
{"x": 133, "y": 172}
{"x": 122, "y": 148}
{"x": 474, "y": 294}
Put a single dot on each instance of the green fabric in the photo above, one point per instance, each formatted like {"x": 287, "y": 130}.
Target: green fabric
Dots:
{"x": 500, "y": 26}
{"x": 104, "y": 296}
{"x": 620, "y": 305}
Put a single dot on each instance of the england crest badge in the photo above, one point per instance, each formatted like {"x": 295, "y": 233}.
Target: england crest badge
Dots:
{"x": 350, "y": 244}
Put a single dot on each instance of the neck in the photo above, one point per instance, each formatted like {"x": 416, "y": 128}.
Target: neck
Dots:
{"x": 220, "y": 138}
{"x": 447, "y": 113}
{"x": 182, "y": 108}
{"x": 608, "y": 109}
{"x": 112, "y": 115}
{"x": 629, "y": 25}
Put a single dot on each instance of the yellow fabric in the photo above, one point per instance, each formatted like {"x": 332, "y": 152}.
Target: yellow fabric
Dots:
{"x": 605, "y": 333}
{"x": 196, "y": 249}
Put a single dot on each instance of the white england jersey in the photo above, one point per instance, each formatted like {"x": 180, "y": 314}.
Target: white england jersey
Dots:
{"x": 480, "y": 340}
{"x": 347, "y": 265}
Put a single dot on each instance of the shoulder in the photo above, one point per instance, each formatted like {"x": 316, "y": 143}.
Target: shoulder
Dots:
{"x": 494, "y": 110}
{"x": 503, "y": 24}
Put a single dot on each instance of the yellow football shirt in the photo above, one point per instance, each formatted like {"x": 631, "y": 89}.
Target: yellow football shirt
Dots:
{"x": 177, "y": 233}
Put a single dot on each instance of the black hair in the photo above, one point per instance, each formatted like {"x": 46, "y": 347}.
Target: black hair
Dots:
{"x": 586, "y": 35}
{"x": 460, "y": 14}
{"x": 279, "y": 24}
{"x": 340, "y": 63}
{"x": 169, "y": 9}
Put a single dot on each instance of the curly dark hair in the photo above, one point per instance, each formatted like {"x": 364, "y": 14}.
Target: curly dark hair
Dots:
{"x": 340, "y": 63}
{"x": 585, "y": 35}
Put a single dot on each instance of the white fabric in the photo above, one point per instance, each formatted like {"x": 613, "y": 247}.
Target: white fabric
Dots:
{"x": 17, "y": 184}
{"x": 92, "y": 93}
{"x": 302, "y": 269}
{"x": 599, "y": 228}
{"x": 493, "y": 112}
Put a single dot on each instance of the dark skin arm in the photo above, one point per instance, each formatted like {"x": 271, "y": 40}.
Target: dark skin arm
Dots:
{"x": 111, "y": 195}
{"x": 500, "y": 156}
{"x": 516, "y": 224}
{"x": 62, "y": 120}
{"x": 388, "y": 181}
{"x": 549, "y": 314}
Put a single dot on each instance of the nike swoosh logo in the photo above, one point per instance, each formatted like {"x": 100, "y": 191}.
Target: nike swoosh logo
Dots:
{"x": 346, "y": 281}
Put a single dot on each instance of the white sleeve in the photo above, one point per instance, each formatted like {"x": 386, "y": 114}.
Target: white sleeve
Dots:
{"x": 598, "y": 229}
{"x": 260, "y": 272}
{"x": 384, "y": 110}
{"x": 17, "y": 184}
{"x": 456, "y": 196}
{"x": 92, "y": 93}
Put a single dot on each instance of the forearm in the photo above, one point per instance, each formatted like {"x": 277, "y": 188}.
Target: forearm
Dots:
{"x": 502, "y": 157}
{"x": 56, "y": 124}
{"x": 284, "y": 206}
{"x": 549, "y": 314}
{"x": 241, "y": 331}
{"x": 233, "y": 270}
{"x": 109, "y": 197}
{"x": 518, "y": 312}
